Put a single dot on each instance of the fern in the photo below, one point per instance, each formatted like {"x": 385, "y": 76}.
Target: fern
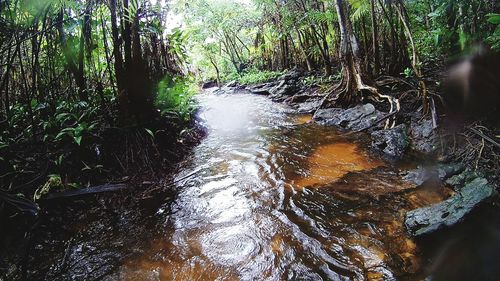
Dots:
{"x": 361, "y": 8}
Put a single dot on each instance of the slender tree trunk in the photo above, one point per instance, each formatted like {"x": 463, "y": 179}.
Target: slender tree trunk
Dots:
{"x": 119, "y": 64}
{"x": 415, "y": 59}
{"x": 212, "y": 61}
{"x": 376, "y": 55}
{"x": 365, "y": 46}
{"x": 75, "y": 68}
{"x": 352, "y": 81}
{"x": 305, "y": 51}
{"x": 324, "y": 54}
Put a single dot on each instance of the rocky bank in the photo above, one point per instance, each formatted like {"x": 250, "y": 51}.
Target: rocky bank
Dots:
{"x": 414, "y": 136}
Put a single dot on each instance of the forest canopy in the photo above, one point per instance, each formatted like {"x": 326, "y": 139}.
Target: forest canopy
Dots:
{"x": 236, "y": 37}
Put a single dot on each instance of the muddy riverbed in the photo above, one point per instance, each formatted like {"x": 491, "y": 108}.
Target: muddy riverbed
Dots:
{"x": 267, "y": 195}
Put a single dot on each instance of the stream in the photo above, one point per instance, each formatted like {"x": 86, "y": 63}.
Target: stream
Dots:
{"x": 269, "y": 195}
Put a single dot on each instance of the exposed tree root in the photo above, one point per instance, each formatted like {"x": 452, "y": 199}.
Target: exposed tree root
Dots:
{"x": 352, "y": 89}
{"x": 348, "y": 93}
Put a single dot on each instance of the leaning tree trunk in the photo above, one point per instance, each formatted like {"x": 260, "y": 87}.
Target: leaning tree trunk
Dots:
{"x": 353, "y": 87}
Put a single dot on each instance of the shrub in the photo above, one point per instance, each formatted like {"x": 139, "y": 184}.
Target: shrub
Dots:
{"x": 174, "y": 95}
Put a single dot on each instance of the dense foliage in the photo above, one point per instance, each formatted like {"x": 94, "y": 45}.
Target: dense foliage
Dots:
{"x": 71, "y": 72}
{"x": 228, "y": 37}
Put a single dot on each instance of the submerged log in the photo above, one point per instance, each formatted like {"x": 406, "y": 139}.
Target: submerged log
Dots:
{"x": 428, "y": 219}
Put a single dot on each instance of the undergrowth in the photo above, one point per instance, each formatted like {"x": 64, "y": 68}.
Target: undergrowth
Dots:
{"x": 175, "y": 96}
{"x": 253, "y": 76}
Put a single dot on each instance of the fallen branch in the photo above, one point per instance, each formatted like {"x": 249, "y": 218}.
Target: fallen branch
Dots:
{"x": 492, "y": 141}
{"x": 87, "y": 191}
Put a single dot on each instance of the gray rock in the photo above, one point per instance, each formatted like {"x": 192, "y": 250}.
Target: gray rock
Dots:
{"x": 421, "y": 175}
{"x": 263, "y": 89}
{"x": 392, "y": 142}
{"x": 355, "y": 118}
{"x": 447, "y": 170}
{"x": 283, "y": 90}
{"x": 462, "y": 178}
{"x": 209, "y": 84}
{"x": 428, "y": 219}
{"x": 424, "y": 138}
{"x": 308, "y": 106}
{"x": 231, "y": 84}
{"x": 436, "y": 172}
{"x": 293, "y": 74}
{"x": 223, "y": 90}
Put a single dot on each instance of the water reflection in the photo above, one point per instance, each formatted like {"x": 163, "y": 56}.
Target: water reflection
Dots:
{"x": 243, "y": 211}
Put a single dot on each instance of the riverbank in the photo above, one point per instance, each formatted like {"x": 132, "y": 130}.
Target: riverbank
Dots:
{"x": 135, "y": 180}
{"x": 462, "y": 157}
{"x": 267, "y": 188}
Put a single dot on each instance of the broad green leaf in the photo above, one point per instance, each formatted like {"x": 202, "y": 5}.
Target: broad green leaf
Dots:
{"x": 493, "y": 18}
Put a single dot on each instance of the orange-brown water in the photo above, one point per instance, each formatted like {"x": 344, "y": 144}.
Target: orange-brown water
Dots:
{"x": 269, "y": 195}
{"x": 330, "y": 162}
{"x": 303, "y": 119}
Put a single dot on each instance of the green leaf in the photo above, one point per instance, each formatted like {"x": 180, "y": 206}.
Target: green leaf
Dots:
{"x": 149, "y": 132}
{"x": 493, "y": 18}
{"x": 78, "y": 139}
{"x": 60, "y": 135}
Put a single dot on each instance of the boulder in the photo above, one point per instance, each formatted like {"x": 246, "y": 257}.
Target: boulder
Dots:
{"x": 431, "y": 218}
{"x": 392, "y": 142}
{"x": 232, "y": 84}
{"x": 283, "y": 91}
{"x": 262, "y": 89}
{"x": 459, "y": 180}
{"x": 308, "y": 106}
{"x": 294, "y": 74}
{"x": 209, "y": 84}
{"x": 222, "y": 91}
{"x": 437, "y": 172}
{"x": 355, "y": 118}
{"x": 424, "y": 137}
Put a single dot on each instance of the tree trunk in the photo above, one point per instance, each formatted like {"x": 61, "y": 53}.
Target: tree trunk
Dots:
{"x": 75, "y": 68}
{"x": 353, "y": 88}
{"x": 212, "y": 61}
{"x": 119, "y": 68}
{"x": 324, "y": 54}
{"x": 415, "y": 59}
{"x": 349, "y": 90}
{"x": 305, "y": 51}
{"x": 376, "y": 55}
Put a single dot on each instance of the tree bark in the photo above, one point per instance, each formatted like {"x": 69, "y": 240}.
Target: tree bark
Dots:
{"x": 353, "y": 88}
{"x": 376, "y": 55}
{"x": 212, "y": 61}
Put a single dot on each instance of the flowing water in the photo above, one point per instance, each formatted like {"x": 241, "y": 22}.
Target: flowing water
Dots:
{"x": 268, "y": 195}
